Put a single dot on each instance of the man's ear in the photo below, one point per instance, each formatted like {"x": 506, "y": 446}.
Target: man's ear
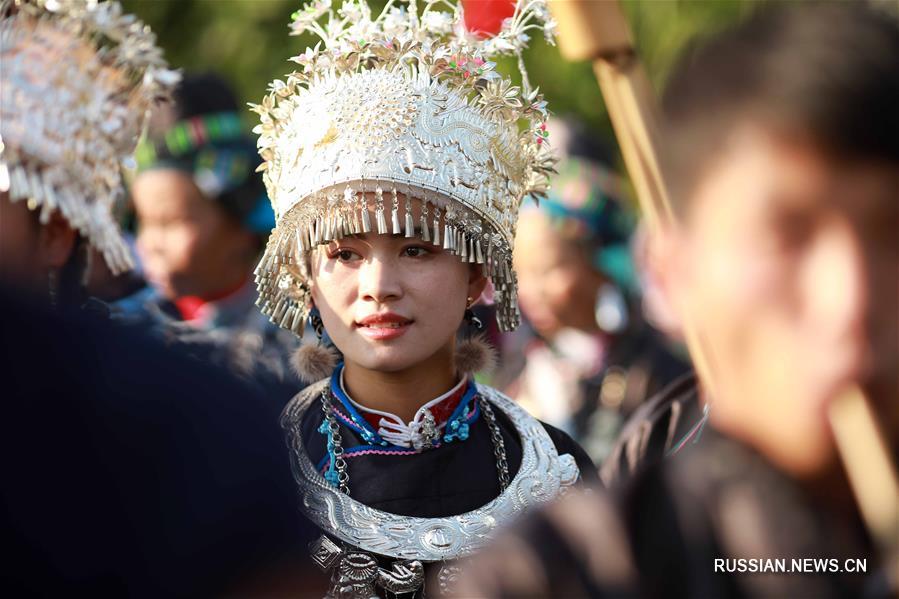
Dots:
{"x": 55, "y": 242}
{"x": 476, "y": 281}
{"x": 657, "y": 256}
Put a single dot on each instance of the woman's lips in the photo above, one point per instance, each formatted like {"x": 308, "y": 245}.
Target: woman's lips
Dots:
{"x": 383, "y": 327}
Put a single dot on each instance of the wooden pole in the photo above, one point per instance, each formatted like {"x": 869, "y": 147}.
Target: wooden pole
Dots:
{"x": 597, "y": 30}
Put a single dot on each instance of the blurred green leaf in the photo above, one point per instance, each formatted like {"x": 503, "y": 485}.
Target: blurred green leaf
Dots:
{"x": 246, "y": 41}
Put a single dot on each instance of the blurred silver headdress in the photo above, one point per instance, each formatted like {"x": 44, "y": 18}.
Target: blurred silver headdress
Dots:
{"x": 77, "y": 79}
{"x": 406, "y": 103}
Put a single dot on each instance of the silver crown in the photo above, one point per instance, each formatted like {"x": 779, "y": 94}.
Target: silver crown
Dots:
{"x": 401, "y": 107}
{"x": 78, "y": 78}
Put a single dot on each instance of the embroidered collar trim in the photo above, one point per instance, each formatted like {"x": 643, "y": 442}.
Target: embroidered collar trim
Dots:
{"x": 391, "y": 428}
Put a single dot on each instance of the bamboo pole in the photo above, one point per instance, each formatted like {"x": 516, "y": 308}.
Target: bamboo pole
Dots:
{"x": 598, "y": 31}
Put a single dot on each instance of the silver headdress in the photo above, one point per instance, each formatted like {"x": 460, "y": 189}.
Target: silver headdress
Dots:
{"x": 77, "y": 80}
{"x": 407, "y": 103}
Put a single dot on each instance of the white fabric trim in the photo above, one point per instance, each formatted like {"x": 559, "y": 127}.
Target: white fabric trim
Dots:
{"x": 392, "y": 428}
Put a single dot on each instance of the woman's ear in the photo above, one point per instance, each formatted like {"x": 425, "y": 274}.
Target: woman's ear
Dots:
{"x": 476, "y": 281}
{"x": 55, "y": 242}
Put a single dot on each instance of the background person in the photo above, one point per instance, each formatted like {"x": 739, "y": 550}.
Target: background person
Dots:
{"x": 202, "y": 215}
{"x": 782, "y": 142}
{"x": 593, "y": 358}
{"x": 72, "y": 105}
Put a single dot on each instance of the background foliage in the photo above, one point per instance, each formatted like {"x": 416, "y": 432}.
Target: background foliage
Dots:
{"x": 247, "y": 41}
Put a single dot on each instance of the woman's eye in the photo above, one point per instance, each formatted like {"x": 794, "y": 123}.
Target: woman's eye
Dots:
{"x": 415, "y": 252}
{"x": 344, "y": 255}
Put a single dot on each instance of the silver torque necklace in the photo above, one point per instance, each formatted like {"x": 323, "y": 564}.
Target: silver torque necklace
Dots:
{"x": 541, "y": 476}
{"x": 336, "y": 440}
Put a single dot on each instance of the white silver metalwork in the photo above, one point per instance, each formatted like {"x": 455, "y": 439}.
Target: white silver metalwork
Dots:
{"x": 414, "y": 107}
{"x": 357, "y": 575}
{"x": 77, "y": 82}
{"x": 542, "y": 476}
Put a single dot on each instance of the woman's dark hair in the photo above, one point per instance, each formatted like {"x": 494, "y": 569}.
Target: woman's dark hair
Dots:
{"x": 827, "y": 73}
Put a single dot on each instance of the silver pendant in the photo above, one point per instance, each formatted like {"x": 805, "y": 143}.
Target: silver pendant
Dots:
{"x": 428, "y": 434}
{"x": 447, "y": 578}
{"x": 357, "y": 575}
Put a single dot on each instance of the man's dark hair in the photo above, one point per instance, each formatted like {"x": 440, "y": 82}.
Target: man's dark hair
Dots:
{"x": 826, "y": 73}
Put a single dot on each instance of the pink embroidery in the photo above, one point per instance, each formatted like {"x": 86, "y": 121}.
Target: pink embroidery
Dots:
{"x": 349, "y": 455}
{"x": 346, "y": 420}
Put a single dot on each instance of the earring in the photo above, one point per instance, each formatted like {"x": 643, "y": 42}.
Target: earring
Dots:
{"x": 53, "y": 287}
{"x": 314, "y": 361}
{"x": 474, "y": 353}
{"x": 610, "y": 309}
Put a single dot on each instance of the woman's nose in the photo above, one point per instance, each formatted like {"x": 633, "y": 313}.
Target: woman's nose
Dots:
{"x": 379, "y": 280}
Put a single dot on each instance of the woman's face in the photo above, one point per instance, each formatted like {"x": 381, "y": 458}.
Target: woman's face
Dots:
{"x": 557, "y": 285}
{"x": 389, "y": 302}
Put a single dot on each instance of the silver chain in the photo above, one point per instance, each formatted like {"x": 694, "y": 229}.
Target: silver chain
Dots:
{"x": 343, "y": 477}
{"x": 499, "y": 446}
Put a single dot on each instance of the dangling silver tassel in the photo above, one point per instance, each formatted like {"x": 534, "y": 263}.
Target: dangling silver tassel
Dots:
{"x": 436, "y": 239}
{"x": 340, "y": 229}
{"x": 326, "y": 233}
{"x": 448, "y": 233}
{"x": 410, "y": 225}
{"x": 425, "y": 234}
{"x": 471, "y": 256}
{"x": 464, "y": 249}
{"x": 287, "y": 319}
{"x": 379, "y": 211}
{"x": 395, "y": 214}
{"x": 292, "y": 248}
{"x": 479, "y": 253}
{"x": 301, "y": 245}
{"x": 316, "y": 231}
{"x": 489, "y": 261}
{"x": 363, "y": 209}
{"x": 297, "y": 321}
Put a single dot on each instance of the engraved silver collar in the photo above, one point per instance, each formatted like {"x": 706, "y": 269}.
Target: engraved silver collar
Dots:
{"x": 541, "y": 477}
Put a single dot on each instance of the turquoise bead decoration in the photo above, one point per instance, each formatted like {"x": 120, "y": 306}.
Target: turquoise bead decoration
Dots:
{"x": 331, "y": 474}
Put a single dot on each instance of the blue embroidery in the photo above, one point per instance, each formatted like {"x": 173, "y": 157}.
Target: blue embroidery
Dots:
{"x": 462, "y": 416}
{"x": 368, "y": 434}
{"x": 457, "y": 426}
{"x": 331, "y": 475}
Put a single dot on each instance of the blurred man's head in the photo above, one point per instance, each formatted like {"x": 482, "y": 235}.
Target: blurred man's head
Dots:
{"x": 783, "y": 153}
{"x": 29, "y": 250}
{"x": 200, "y": 206}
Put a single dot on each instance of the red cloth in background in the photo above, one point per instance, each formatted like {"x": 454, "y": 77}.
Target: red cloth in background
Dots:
{"x": 485, "y": 17}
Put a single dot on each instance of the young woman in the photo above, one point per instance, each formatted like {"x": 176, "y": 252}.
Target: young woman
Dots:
{"x": 395, "y": 166}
